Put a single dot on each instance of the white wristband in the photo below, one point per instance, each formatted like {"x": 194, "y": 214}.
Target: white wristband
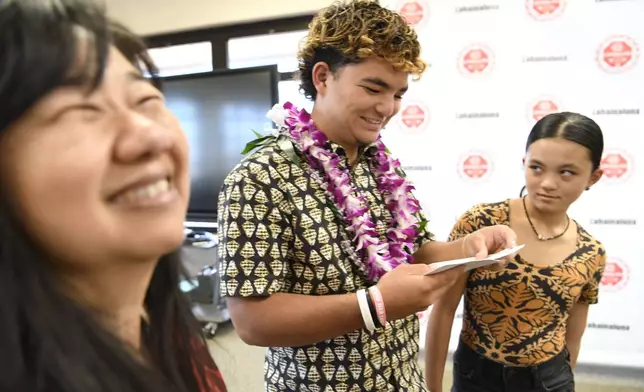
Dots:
{"x": 364, "y": 309}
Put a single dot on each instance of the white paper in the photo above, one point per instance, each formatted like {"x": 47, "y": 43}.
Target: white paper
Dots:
{"x": 472, "y": 262}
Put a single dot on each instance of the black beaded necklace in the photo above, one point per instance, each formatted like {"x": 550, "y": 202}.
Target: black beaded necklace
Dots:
{"x": 539, "y": 236}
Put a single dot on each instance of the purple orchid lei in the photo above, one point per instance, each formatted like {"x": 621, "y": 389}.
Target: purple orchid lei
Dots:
{"x": 378, "y": 256}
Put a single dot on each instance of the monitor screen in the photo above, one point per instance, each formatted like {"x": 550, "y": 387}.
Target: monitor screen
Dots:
{"x": 217, "y": 111}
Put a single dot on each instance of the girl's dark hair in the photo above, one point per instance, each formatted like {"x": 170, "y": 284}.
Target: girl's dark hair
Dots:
{"x": 574, "y": 127}
{"x": 570, "y": 126}
{"x": 48, "y": 342}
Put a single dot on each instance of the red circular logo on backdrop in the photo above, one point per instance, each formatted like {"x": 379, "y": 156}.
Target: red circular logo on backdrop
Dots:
{"x": 476, "y": 60}
{"x": 618, "y": 54}
{"x": 475, "y": 166}
{"x": 541, "y": 107}
{"x": 545, "y": 9}
{"x": 616, "y": 275}
{"x": 617, "y": 165}
{"x": 415, "y": 12}
{"x": 413, "y": 117}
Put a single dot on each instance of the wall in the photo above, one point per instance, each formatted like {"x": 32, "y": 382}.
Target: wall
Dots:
{"x": 149, "y": 17}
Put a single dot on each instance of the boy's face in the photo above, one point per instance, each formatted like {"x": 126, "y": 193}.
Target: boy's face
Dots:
{"x": 358, "y": 100}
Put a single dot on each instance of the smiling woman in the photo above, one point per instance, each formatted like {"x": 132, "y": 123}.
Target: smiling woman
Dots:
{"x": 94, "y": 191}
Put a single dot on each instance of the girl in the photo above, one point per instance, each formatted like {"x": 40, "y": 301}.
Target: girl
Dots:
{"x": 523, "y": 324}
{"x": 93, "y": 194}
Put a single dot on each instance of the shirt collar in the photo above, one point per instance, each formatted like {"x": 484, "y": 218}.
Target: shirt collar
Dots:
{"x": 364, "y": 151}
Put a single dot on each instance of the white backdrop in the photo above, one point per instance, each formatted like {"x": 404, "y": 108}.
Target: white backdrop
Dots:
{"x": 496, "y": 68}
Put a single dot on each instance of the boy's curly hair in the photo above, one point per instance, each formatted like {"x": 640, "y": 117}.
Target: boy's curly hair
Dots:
{"x": 347, "y": 32}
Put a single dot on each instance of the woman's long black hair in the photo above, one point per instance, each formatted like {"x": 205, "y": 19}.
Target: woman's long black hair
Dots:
{"x": 47, "y": 341}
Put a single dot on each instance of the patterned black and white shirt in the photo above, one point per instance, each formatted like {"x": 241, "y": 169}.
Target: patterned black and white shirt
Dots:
{"x": 279, "y": 233}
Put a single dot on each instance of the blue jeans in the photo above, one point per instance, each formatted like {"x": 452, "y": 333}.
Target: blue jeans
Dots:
{"x": 475, "y": 373}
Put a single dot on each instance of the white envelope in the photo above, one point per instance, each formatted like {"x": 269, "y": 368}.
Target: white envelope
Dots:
{"x": 472, "y": 262}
